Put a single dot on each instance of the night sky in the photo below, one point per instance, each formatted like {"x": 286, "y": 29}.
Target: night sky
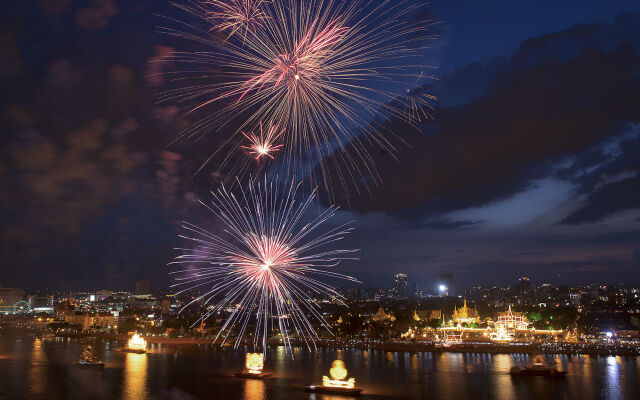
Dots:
{"x": 531, "y": 167}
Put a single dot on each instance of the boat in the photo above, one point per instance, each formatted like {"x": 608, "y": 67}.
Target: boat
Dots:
{"x": 136, "y": 345}
{"x": 89, "y": 359}
{"x": 333, "y": 390}
{"x": 337, "y": 382}
{"x": 253, "y": 367}
{"x": 537, "y": 368}
{"x": 251, "y": 375}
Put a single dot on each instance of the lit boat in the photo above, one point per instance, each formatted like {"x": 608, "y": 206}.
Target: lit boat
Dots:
{"x": 253, "y": 367}
{"x": 337, "y": 383}
{"x": 537, "y": 368}
{"x": 89, "y": 359}
{"x": 136, "y": 345}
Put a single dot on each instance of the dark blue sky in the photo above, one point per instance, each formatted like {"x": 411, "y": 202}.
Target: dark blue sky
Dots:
{"x": 531, "y": 167}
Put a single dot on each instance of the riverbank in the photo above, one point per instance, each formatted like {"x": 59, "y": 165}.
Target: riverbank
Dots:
{"x": 417, "y": 347}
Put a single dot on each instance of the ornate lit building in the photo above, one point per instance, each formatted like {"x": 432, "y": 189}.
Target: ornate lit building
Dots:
{"x": 508, "y": 323}
{"x": 382, "y": 316}
{"x": 512, "y": 320}
{"x": 426, "y": 315}
{"x": 465, "y": 314}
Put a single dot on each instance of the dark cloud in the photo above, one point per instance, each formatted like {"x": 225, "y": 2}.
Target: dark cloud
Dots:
{"x": 540, "y": 108}
{"x": 55, "y": 7}
{"x": 10, "y": 58}
{"x": 445, "y": 224}
{"x": 97, "y": 15}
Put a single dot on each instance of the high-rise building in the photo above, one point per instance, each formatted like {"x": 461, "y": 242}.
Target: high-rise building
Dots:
{"x": 524, "y": 284}
{"x": 165, "y": 306}
{"x": 41, "y": 303}
{"x": 143, "y": 286}
{"x": 8, "y": 298}
{"x": 400, "y": 285}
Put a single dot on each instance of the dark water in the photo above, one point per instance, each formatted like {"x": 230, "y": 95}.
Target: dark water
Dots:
{"x": 35, "y": 369}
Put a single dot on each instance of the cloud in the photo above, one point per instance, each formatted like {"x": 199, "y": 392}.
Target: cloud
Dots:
{"x": 10, "y": 58}
{"x": 55, "y": 7}
{"x": 537, "y": 111}
{"x": 96, "y": 17}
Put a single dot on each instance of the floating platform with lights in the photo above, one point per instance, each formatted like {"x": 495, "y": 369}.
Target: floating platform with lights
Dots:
{"x": 537, "y": 368}
{"x": 253, "y": 367}
{"x": 89, "y": 359}
{"x": 136, "y": 345}
{"x": 337, "y": 383}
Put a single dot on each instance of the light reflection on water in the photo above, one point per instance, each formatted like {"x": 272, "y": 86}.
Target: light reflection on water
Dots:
{"x": 135, "y": 377}
{"x": 254, "y": 389}
{"x": 35, "y": 369}
{"x": 36, "y": 381}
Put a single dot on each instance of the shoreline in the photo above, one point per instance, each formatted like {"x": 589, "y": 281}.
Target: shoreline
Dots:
{"x": 488, "y": 348}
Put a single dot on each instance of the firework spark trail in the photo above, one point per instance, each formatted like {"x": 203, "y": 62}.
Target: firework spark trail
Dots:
{"x": 326, "y": 71}
{"x": 267, "y": 264}
{"x": 263, "y": 144}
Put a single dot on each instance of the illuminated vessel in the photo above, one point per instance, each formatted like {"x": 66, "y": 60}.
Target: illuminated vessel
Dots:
{"x": 337, "y": 383}
{"x": 253, "y": 367}
{"x": 537, "y": 368}
{"x": 136, "y": 345}
{"x": 89, "y": 359}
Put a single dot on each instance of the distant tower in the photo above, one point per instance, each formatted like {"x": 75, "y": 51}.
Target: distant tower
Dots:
{"x": 165, "y": 306}
{"x": 525, "y": 284}
{"x": 445, "y": 283}
{"x": 400, "y": 285}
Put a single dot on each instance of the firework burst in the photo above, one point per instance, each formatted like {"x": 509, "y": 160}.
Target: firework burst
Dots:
{"x": 235, "y": 16}
{"x": 263, "y": 144}
{"x": 328, "y": 72}
{"x": 265, "y": 266}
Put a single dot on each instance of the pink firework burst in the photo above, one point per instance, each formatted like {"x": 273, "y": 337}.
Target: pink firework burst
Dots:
{"x": 263, "y": 144}
{"x": 264, "y": 269}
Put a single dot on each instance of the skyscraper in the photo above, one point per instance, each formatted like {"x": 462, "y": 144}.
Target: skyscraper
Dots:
{"x": 400, "y": 285}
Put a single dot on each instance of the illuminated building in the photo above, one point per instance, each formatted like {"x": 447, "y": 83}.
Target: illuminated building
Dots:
{"x": 426, "y": 315}
{"x": 88, "y": 321}
{"x": 524, "y": 284}
{"x": 8, "y": 298}
{"x": 41, "y": 303}
{"x": 508, "y": 323}
{"x": 165, "y": 306}
{"x": 400, "y": 285}
{"x": 143, "y": 286}
{"x": 465, "y": 314}
{"x": 382, "y": 316}
{"x": 65, "y": 310}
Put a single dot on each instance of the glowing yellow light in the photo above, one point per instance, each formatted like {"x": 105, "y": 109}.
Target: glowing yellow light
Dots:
{"x": 338, "y": 372}
{"x": 137, "y": 343}
{"x": 254, "y": 363}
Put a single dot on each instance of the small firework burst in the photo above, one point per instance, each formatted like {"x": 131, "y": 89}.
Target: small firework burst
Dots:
{"x": 236, "y": 16}
{"x": 263, "y": 144}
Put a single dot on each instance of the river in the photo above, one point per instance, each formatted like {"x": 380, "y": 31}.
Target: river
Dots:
{"x": 31, "y": 368}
